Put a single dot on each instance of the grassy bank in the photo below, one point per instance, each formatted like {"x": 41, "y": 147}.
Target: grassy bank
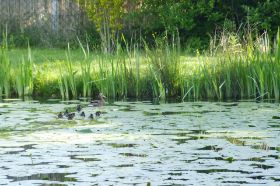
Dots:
{"x": 162, "y": 72}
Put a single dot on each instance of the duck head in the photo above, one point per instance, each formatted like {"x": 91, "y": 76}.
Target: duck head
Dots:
{"x": 98, "y": 114}
{"x": 83, "y": 114}
{"x": 60, "y": 115}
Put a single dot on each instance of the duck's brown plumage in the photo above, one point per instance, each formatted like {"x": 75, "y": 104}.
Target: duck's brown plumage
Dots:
{"x": 83, "y": 114}
{"x": 91, "y": 116}
{"x": 99, "y": 102}
{"x": 79, "y": 108}
{"x": 71, "y": 116}
{"x": 60, "y": 115}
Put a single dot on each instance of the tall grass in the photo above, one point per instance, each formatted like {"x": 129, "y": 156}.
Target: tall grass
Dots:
{"x": 24, "y": 76}
{"x": 247, "y": 70}
{"x": 63, "y": 84}
{"x": 86, "y": 73}
{"x": 164, "y": 67}
{"x": 253, "y": 74}
{"x": 71, "y": 74}
{"x": 20, "y": 75}
{"x": 67, "y": 78}
{"x": 5, "y": 68}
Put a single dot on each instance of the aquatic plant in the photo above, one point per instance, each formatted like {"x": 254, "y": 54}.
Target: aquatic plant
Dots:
{"x": 67, "y": 79}
{"x": 86, "y": 74}
{"x": 24, "y": 76}
{"x": 164, "y": 67}
{"x": 71, "y": 74}
{"x": 160, "y": 72}
{"x": 5, "y": 68}
{"x": 63, "y": 84}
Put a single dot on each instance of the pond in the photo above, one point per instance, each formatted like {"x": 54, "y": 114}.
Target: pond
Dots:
{"x": 193, "y": 143}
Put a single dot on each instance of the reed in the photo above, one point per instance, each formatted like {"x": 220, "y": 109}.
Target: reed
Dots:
{"x": 69, "y": 77}
{"x": 24, "y": 76}
{"x": 63, "y": 84}
{"x": 248, "y": 72}
{"x": 164, "y": 67}
{"x": 5, "y": 68}
{"x": 86, "y": 71}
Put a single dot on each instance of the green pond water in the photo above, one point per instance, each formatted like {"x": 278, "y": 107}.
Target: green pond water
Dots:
{"x": 135, "y": 143}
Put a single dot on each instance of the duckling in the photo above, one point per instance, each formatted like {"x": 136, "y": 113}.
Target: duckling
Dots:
{"x": 83, "y": 114}
{"x": 66, "y": 113}
{"x": 71, "y": 116}
{"x": 97, "y": 113}
{"x": 91, "y": 116}
{"x": 60, "y": 115}
{"x": 99, "y": 102}
{"x": 79, "y": 108}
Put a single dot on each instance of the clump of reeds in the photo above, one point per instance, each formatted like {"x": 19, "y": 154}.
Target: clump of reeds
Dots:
{"x": 164, "y": 66}
{"x": 252, "y": 72}
{"x": 86, "y": 71}
{"x": 24, "y": 76}
{"x": 5, "y": 68}
{"x": 247, "y": 69}
{"x": 67, "y": 78}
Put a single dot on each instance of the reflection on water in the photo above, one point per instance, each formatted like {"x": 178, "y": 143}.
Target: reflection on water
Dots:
{"x": 140, "y": 143}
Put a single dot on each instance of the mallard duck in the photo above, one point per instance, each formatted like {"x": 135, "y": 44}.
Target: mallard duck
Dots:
{"x": 99, "y": 102}
{"x": 79, "y": 108}
{"x": 91, "y": 116}
{"x": 71, "y": 116}
{"x": 83, "y": 114}
{"x": 60, "y": 115}
{"x": 97, "y": 113}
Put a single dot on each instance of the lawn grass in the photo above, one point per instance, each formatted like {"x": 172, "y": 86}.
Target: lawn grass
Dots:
{"x": 43, "y": 55}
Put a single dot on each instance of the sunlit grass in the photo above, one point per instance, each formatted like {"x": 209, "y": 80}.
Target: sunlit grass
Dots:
{"x": 161, "y": 72}
{"x": 5, "y": 68}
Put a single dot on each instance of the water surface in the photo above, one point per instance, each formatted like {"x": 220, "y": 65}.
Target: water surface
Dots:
{"x": 135, "y": 143}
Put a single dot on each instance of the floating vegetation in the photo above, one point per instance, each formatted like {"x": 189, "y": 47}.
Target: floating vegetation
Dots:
{"x": 211, "y": 147}
{"x": 262, "y": 166}
{"x": 128, "y": 154}
{"x": 115, "y": 145}
{"x": 275, "y": 179}
{"x": 208, "y": 171}
{"x": 229, "y": 159}
{"x": 257, "y": 159}
{"x": 236, "y": 182}
{"x": 128, "y": 109}
{"x": 125, "y": 165}
{"x": 275, "y": 126}
{"x": 235, "y": 141}
{"x": 85, "y": 131}
{"x": 62, "y": 177}
{"x": 84, "y": 158}
{"x": 214, "y": 148}
{"x": 251, "y": 125}
{"x": 262, "y": 146}
{"x": 172, "y": 113}
{"x": 181, "y": 140}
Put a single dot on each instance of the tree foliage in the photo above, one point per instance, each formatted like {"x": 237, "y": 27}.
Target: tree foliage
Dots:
{"x": 107, "y": 16}
{"x": 193, "y": 19}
